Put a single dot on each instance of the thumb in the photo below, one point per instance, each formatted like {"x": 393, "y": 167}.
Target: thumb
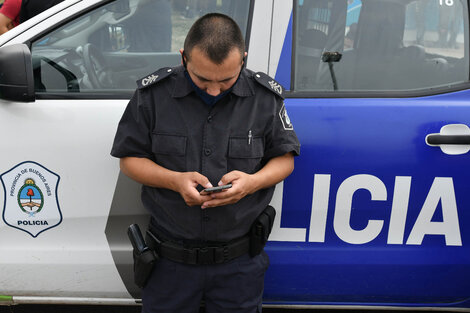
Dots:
{"x": 228, "y": 178}
{"x": 203, "y": 181}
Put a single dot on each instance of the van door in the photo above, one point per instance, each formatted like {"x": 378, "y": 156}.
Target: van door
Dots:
{"x": 86, "y": 60}
{"x": 376, "y": 209}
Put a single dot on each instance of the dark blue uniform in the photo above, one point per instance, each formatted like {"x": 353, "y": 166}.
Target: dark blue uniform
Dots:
{"x": 168, "y": 123}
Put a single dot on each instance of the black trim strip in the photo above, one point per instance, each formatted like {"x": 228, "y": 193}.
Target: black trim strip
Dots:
{"x": 111, "y": 95}
{"x": 249, "y": 26}
{"x": 377, "y": 93}
{"x": 294, "y": 46}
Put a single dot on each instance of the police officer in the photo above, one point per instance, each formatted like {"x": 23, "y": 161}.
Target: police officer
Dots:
{"x": 206, "y": 123}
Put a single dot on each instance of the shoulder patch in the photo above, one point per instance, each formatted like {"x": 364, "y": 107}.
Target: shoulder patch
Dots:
{"x": 269, "y": 83}
{"x": 154, "y": 77}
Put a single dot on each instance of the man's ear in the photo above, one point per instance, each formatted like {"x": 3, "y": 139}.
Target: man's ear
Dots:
{"x": 244, "y": 60}
{"x": 183, "y": 58}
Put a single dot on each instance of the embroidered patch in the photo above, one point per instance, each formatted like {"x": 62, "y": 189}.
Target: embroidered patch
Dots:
{"x": 286, "y": 123}
{"x": 148, "y": 80}
{"x": 275, "y": 86}
{"x": 154, "y": 77}
{"x": 269, "y": 83}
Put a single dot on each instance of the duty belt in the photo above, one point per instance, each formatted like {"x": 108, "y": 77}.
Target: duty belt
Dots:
{"x": 211, "y": 254}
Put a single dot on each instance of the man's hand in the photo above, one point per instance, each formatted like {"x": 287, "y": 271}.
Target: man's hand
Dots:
{"x": 242, "y": 185}
{"x": 151, "y": 174}
{"x": 186, "y": 184}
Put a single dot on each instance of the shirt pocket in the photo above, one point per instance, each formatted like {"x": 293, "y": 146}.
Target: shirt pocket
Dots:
{"x": 245, "y": 156}
{"x": 170, "y": 151}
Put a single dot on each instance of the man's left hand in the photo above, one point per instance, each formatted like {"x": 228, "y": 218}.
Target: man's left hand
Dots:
{"x": 242, "y": 185}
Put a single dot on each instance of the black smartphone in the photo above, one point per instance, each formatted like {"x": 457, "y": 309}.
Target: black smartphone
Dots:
{"x": 216, "y": 189}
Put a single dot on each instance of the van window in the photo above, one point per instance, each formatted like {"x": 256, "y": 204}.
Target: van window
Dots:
{"x": 112, "y": 46}
{"x": 380, "y": 45}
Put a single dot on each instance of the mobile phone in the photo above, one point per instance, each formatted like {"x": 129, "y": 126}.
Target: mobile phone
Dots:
{"x": 216, "y": 189}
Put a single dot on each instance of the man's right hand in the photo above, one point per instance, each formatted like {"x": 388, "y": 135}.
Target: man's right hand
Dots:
{"x": 186, "y": 184}
{"x": 151, "y": 174}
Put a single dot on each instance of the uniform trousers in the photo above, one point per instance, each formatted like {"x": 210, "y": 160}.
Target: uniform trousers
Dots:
{"x": 235, "y": 286}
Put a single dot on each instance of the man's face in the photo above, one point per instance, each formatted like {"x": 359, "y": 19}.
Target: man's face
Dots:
{"x": 214, "y": 78}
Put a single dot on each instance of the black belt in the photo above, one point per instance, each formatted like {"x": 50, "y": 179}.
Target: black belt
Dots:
{"x": 211, "y": 254}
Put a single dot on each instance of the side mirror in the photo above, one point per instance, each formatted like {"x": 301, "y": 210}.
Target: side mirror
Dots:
{"x": 16, "y": 73}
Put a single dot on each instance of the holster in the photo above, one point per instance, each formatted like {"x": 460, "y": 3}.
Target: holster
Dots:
{"x": 261, "y": 229}
{"x": 144, "y": 258}
{"x": 143, "y": 266}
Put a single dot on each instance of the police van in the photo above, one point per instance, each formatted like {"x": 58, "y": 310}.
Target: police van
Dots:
{"x": 377, "y": 211}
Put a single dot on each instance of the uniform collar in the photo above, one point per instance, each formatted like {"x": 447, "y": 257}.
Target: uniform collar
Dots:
{"x": 182, "y": 87}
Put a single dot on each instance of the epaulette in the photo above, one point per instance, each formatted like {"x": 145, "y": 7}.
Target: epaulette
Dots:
{"x": 269, "y": 83}
{"x": 154, "y": 77}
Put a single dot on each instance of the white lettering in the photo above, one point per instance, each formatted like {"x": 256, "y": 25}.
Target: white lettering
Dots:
{"x": 442, "y": 190}
{"x": 321, "y": 193}
{"x": 279, "y": 233}
{"x": 447, "y": 2}
{"x": 343, "y": 208}
{"x": 401, "y": 197}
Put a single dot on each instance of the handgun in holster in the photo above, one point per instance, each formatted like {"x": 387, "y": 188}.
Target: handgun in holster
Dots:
{"x": 261, "y": 229}
{"x": 144, "y": 258}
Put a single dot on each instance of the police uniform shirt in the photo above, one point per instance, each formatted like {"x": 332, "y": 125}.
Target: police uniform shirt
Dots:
{"x": 167, "y": 122}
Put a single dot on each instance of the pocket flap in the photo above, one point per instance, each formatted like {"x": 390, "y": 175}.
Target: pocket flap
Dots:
{"x": 240, "y": 148}
{"x": 169, "y": 144}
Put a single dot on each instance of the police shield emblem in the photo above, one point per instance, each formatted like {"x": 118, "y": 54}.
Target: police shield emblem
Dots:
{"x": 30, "y": 198}
{"x": 286, "y": 123}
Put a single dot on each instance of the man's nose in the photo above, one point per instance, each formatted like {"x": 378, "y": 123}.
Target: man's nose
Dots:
{"x": 213, "y": 90}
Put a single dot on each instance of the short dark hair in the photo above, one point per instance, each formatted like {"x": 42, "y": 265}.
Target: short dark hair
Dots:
{"x": 216, "y": 35}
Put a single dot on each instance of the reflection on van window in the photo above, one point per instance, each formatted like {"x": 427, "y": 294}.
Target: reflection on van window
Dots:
{"x": 112, "y": 46}
{"x": 380, "y": 45}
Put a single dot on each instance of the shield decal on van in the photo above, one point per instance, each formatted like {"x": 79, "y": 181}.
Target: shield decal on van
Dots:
{"x": 31, "y": 203}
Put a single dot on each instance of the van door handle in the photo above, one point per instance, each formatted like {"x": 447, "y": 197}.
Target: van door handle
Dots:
{"x": 437, "y": 139}
{"x": 453, "y": 139}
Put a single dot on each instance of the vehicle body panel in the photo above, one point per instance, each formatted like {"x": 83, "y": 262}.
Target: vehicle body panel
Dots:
{"x": 371, "y": 216}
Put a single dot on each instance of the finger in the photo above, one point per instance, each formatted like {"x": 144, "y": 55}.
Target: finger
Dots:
{"x": 217, "y": 202}
{"x": 196, "y": 199}
{"x": 223, "y": 199}
{"x": 202, "y": 198}
{"x": 202, "y": 180}
{"x": 229, "y": 177}
{"x": 224, "y": 194}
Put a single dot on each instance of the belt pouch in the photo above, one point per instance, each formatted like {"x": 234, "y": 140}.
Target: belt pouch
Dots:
{"x": 261, "y": 229}
{"x": 144, "y": 258}
{"x": 143, "y": 266}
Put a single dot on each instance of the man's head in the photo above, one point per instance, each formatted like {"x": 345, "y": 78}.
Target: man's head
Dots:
{"x": 214, "y": 52}
{"x": 216, "y": 35}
